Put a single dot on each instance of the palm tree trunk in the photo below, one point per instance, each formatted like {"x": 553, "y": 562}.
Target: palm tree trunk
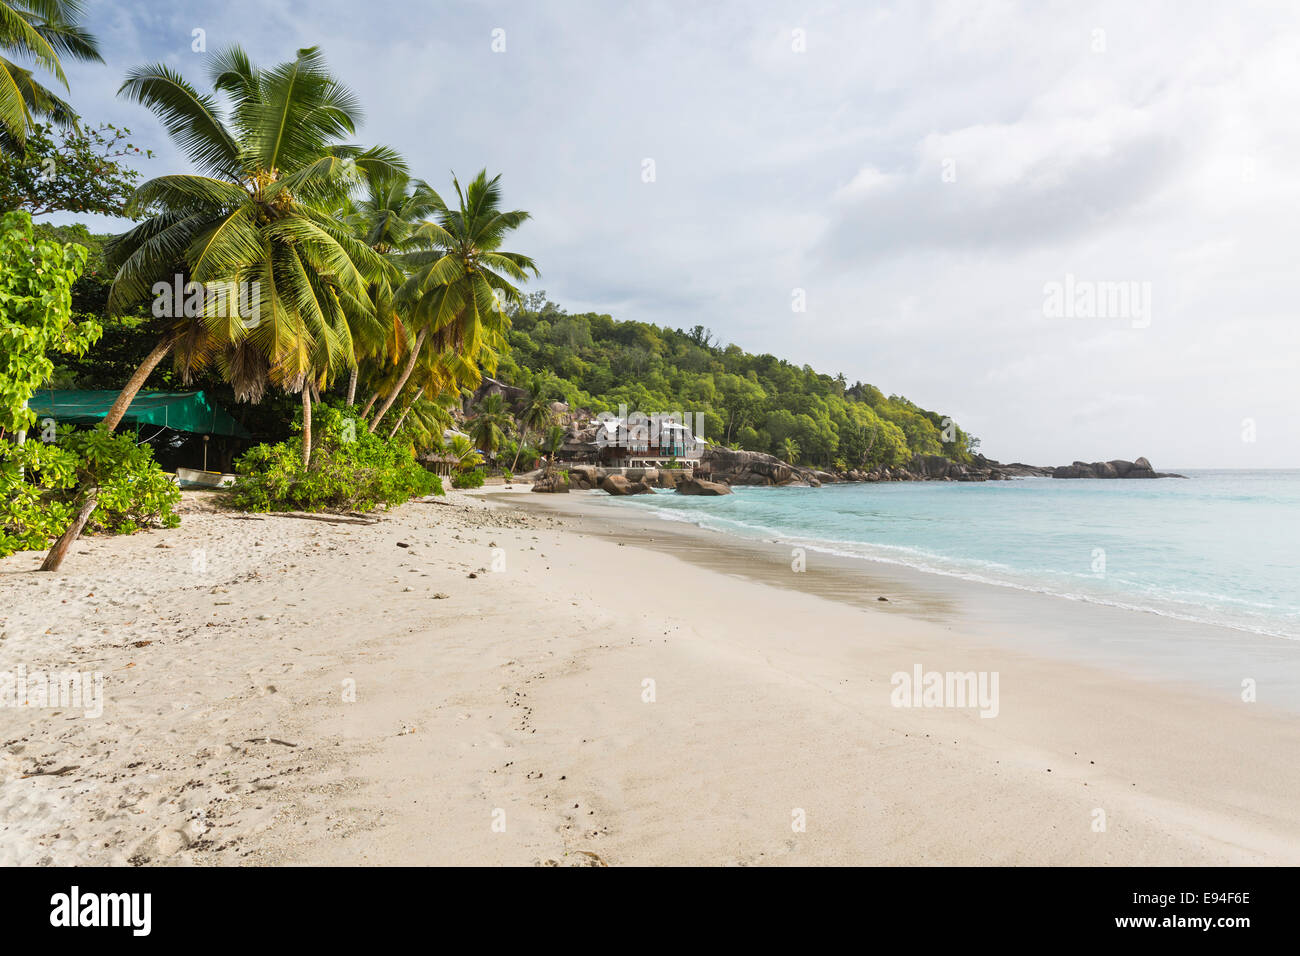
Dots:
{"x": 401, "y": 382}
{"x": 306, "y": 426}
{"x": 134, "y": 384}
{"x": 365, "y": 412}
{"x": 91, "y": 495}
{"x": 352, "y": 386}
{"x": 406, "y": 412}
{"x": 523, "y": 434}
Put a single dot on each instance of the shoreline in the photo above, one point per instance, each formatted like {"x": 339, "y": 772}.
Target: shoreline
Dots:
{"x": 519, "y": 695}
{"x": 1109, "y": 635}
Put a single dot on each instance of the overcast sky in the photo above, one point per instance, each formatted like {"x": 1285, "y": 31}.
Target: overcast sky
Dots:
{"x": 917, "y": 174}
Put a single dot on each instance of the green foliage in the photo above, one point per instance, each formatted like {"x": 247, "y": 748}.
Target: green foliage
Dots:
{"x": 269, "y": 167}
{"x": 351, "y": 469}
{"x": 488, "y": 427}
{"x": 134, "y": 492}
{"x": 70, "y": 170}
{"x": 39, "y": 485}
{"x": 36, "y": 277}
{"x": 528, "y": 456}
{"x": 462, "y": 449}
{"x": 37, "y": 34}
{"x": 553, "y": 439}
{"x": 468, "y": 479}
{"x": 458, "y": 284}
{"x": 756, "y": 402}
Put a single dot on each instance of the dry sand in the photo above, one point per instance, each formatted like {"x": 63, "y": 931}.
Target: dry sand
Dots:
{"x": 498, "y": 664}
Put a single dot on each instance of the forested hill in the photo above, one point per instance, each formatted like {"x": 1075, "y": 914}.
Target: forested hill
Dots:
{"x": 756, "y": 402}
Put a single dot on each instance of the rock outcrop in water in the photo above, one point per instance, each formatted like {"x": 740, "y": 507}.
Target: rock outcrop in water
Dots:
{"x": 620, "y": 485}
{"x": 698, "y": 486}
{"x": 552, "y": 484}
{"x": 1115, "y": 468}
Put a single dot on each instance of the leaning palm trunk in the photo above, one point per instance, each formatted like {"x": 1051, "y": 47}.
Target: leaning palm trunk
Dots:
{"x": 306, "y": 426}
{"x": 114, "y": 417}
{"x": 352, "y": 386}
{"x": 365, "y": 412}
{"x": 406, "y": 412}
{"x": 401, "y": 382}
{"x": 519, "y": 449}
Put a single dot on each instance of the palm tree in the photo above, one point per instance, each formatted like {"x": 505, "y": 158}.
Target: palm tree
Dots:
{"x": 790, "y": 448}
{"x": 40, "y": 31}
{"x": 391, "y": 210}
{"x": 553, "y": 441}
{"x": 458, "y": 285}
{"x": 462, "y": 449}
{"x": 536, "y": 413}
{"x": 488, "y": 428}
{"x": 427, "y": 421}
{"x": 257, "y": 216}
{"x": 431, "y": 390}
{"x": 385, "y": 218}
{"x": 253, "y": 218}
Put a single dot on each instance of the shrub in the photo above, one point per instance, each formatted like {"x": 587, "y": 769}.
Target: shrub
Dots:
{"x": 528, "y": 457}
{"x": 39, "y": 482}
{"x": 351, "y": 470}
{"x": 468, "y": 479}
{"x": 36, "y": 278}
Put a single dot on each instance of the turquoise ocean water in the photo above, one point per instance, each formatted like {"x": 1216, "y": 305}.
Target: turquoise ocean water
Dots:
{"x": 1222, "y": 547}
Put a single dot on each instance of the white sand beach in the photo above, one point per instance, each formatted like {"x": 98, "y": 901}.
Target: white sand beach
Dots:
{"x": 464, "y": 681}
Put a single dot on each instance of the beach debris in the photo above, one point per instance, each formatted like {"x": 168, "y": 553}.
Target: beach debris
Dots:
{"x": 885, "y": 599}
{"x": 402, "y": 544}
{"x": 269, "y": 740}
{"x": 50, "y": 773}
{"x": 440, "y": 596}
{"x": 472, "y": 575}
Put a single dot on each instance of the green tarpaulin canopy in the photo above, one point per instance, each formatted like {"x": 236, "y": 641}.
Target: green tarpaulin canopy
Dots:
{"x": 182, "y": 411}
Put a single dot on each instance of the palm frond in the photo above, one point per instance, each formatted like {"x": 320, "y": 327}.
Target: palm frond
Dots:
{"x": 191, "y": 119}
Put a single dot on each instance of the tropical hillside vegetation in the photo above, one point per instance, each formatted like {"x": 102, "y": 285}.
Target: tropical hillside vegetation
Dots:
{"x": 755, "y": 402}
{"x": 339, "y": 306}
